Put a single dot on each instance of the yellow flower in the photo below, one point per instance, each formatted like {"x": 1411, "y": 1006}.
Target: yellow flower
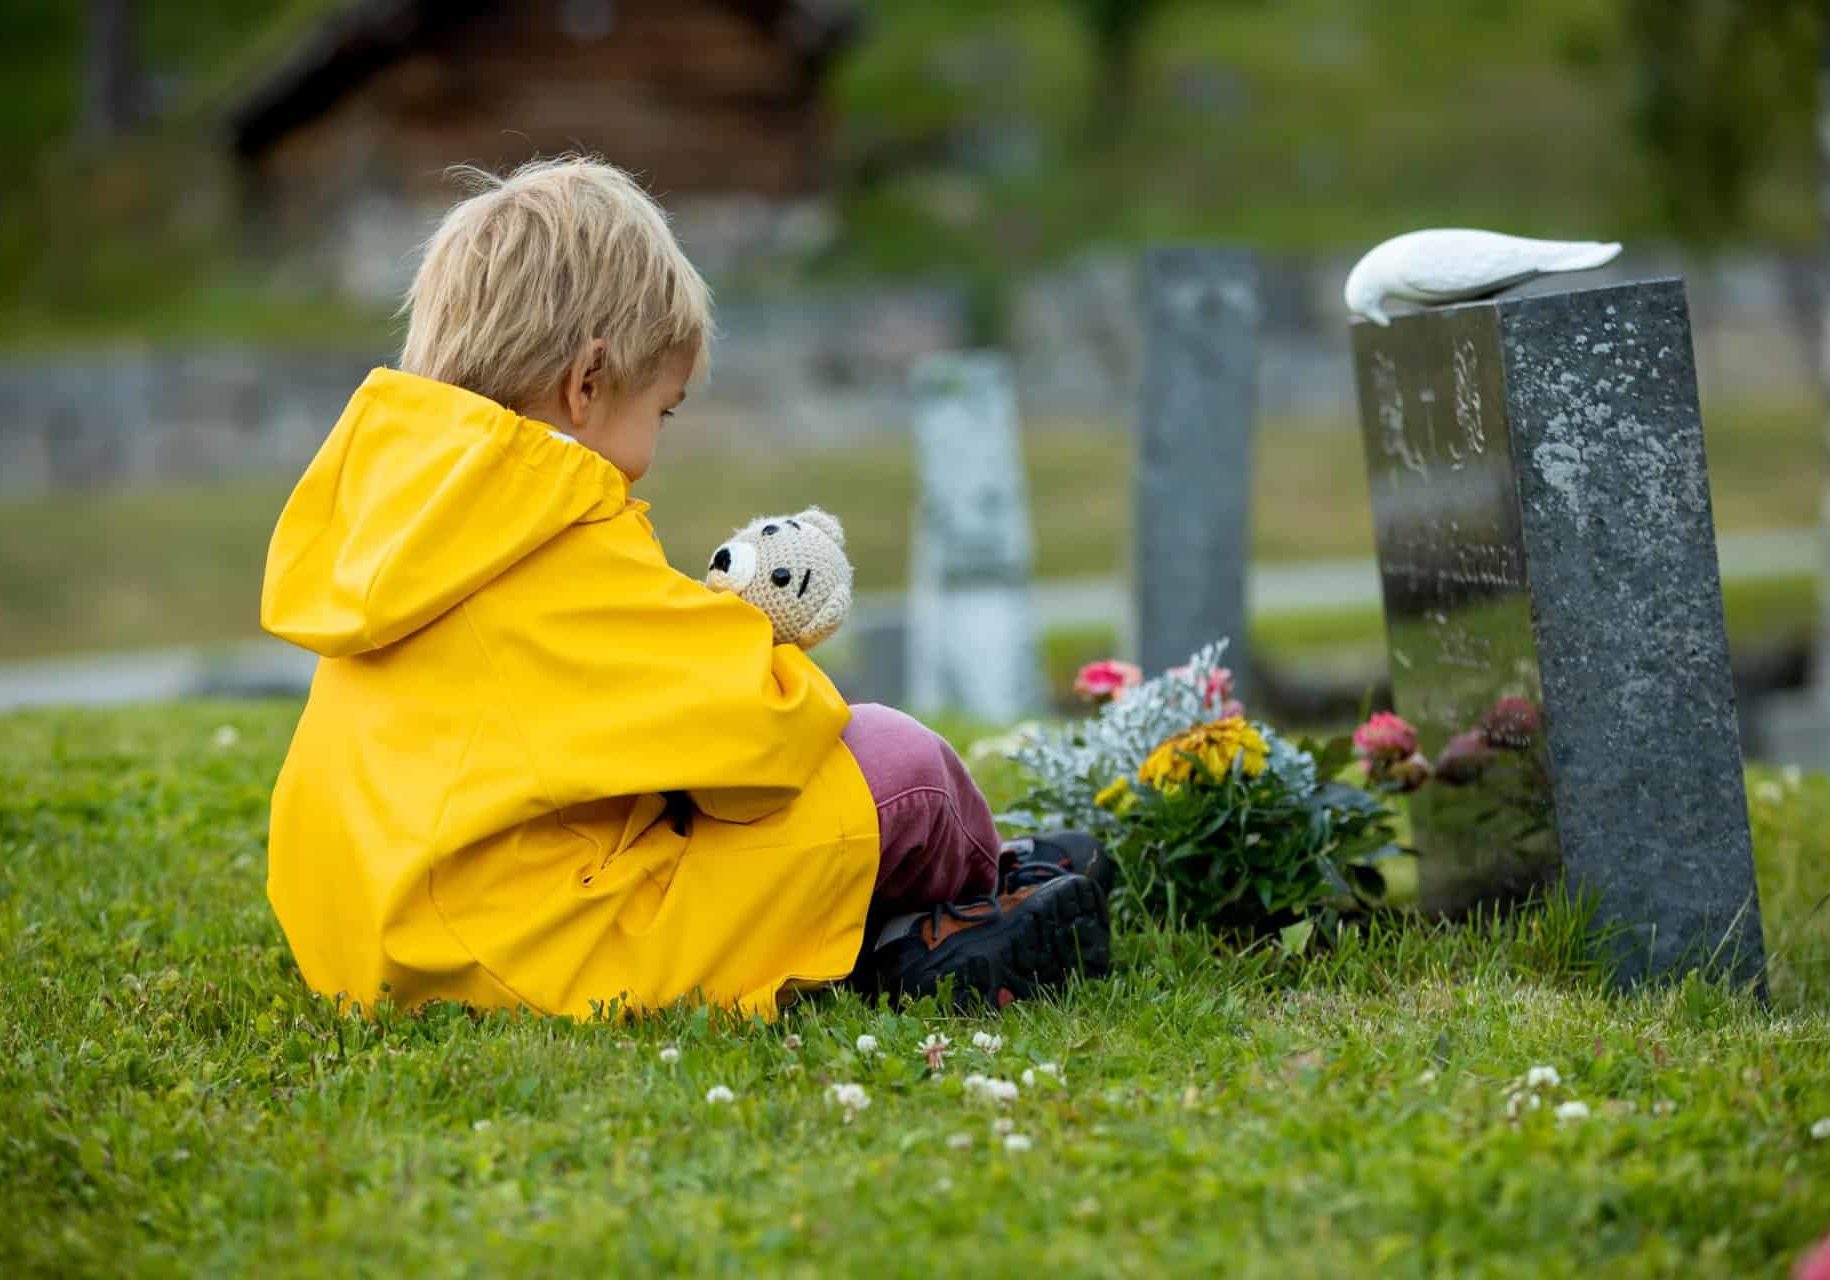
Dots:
{"x": 1118, "y": 798}
{"x": 1215, "y": 745}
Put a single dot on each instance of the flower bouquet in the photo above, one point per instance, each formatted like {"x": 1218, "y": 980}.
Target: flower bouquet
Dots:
{"x": 1212, "y": 819}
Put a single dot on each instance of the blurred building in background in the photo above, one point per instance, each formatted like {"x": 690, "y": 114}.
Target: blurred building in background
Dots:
{"x": 343, "y": 142}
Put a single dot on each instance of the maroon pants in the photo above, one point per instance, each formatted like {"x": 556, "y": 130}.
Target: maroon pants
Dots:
{"x": 939, "y": 842}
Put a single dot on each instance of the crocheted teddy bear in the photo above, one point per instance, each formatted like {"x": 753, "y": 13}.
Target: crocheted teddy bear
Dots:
{"x": 794, "y": 569}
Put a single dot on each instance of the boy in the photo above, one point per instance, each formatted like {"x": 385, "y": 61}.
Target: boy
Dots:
{"x": 538, "y": 766}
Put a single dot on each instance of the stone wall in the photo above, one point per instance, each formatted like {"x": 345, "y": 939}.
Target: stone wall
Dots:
{"x": 805, "y": 369}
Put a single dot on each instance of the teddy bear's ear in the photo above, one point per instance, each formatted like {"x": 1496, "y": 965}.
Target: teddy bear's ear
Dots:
{"x": 825, "y": 522}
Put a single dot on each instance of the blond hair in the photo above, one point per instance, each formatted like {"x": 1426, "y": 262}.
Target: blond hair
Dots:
{"x": 520, "y": 276}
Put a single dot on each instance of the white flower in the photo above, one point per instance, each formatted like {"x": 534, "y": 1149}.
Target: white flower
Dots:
{"x": 226, "y": 736}
{"x": 959, "y": 1142}
{"x": 850, "y": 1096}
{"x": 718, "y": 1094}
{"x": 1793, "y": 776}
{"x": 1427, "y": 1078}
{"x": 1542, "y": 1077}
{"x": 480, "y": 1125}
{"x": 1517, "y": 1102}
{"x": 1049, "y": 1069}
{"x": 1003, "y": 1124}
{"x": 1572, "y": 1110}
{"x": 1028, "y": 1078}
{"x": 791, "y": 1042}
{"x": 995, "y": 1090}
{"x": 1017, "y": 1142}
{"x": 1664, "y": 1107}
{"x": 1821, "y": 1129}
{"x": 934, "y": 1049}
{"x": 670, "y": 1055}
{"x": 985, "y": 1041}
{"x": 944, "y": 1184}
{"x": 866, "y": 1045}
{"x": 1770, "y": 792}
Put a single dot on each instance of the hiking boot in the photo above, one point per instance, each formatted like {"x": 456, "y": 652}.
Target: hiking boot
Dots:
{"x": 1034, "y": 859}
{"x": 1006, "y": 948}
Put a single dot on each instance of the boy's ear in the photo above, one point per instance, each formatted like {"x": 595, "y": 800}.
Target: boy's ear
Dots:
{"x": 585, "y": 381}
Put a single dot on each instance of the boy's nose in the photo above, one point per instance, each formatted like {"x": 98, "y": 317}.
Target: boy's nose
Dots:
{"x": 722, "y": 560}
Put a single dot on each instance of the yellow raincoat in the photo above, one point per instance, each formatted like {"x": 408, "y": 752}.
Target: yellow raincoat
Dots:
{"x": 513, "y": 679}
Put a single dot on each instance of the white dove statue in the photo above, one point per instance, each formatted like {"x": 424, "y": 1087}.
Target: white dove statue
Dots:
{"x": 1447, "y": 264}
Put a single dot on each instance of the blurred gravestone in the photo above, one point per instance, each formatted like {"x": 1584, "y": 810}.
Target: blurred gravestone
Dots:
{"x": 1554, "y": 615}
{"x": 1194, "y": 453}
{"x": 971, "y": 628}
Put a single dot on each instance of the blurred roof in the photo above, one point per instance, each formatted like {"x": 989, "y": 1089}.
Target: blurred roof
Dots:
{"x": 358, "y": 37}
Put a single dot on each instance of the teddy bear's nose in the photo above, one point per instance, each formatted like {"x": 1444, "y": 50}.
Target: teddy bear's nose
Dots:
{"x": 722, "y": 560}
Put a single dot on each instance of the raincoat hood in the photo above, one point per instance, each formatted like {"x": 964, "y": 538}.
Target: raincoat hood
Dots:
{"x": 409, "y": 509}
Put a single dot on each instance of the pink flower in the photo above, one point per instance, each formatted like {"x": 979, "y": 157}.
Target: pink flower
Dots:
{"x": 1512, "y": 723}
{"x": 1107, "y": 680}
{"x": 1384, "y": 739}
{"x": 1218, "y": 695}
{"x": 1815, "y": 1265}
{"x": 1464, "y": 758}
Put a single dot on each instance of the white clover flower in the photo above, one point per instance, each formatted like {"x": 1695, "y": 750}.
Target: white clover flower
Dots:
{"x": 1519, "y": 1101}
{"x": 1428, "y": 1077}
{"x": 1770, "y": 792}
{"x": 226, "y": 736}
{"x": 670, "y": 1055}
{"x": 1664, "y": 1107}
{"x": 1542, "y": 1077}
{"x": 1003, "y": 1125}
{"x": 986, "y": 1042}
{"x": 1017, "y": 1142}
{"x": 866, "y": 1045}
{"x": 1821, "y": 1129}
{"x": 1572, "y": 1110}
{"x": 1028, "y": 1078}
{"x": 852, "y": 1097}
{"x": 718, "y": 1094}
{"x": 791, "y": 1042}
{"x": 934, "y": 1049}
{"x": 996, "y": 1090}
{"x": 959, "y": 1142}
{"x": 480, "y": 1125}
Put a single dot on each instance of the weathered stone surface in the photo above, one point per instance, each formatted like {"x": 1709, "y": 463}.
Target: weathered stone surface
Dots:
{"x": 1554, "y": 615}
{"x": 972, "y": 636}
{"x": 1194, "y": 453}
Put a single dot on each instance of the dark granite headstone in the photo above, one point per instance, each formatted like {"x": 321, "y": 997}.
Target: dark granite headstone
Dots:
{"x": 1554, "y": 615}
{"x": 1194, "y": 454}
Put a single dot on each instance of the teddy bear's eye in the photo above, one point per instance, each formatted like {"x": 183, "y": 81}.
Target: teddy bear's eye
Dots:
{"x": 781, "y": 577}
{"x": 771, "y": 528}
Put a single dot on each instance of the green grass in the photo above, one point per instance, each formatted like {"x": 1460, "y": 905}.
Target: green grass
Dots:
{"x": 135, "y": 568}
{"x": 172, "y": 1102}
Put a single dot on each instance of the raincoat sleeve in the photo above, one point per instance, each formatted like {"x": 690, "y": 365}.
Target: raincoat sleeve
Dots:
{"x": 652, "y": 683}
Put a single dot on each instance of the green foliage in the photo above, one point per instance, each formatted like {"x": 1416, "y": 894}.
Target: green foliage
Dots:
{"x": 172, "y": 1101}
{"x": 1723, "y": 93}
{"x": 1248, "y": 855}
